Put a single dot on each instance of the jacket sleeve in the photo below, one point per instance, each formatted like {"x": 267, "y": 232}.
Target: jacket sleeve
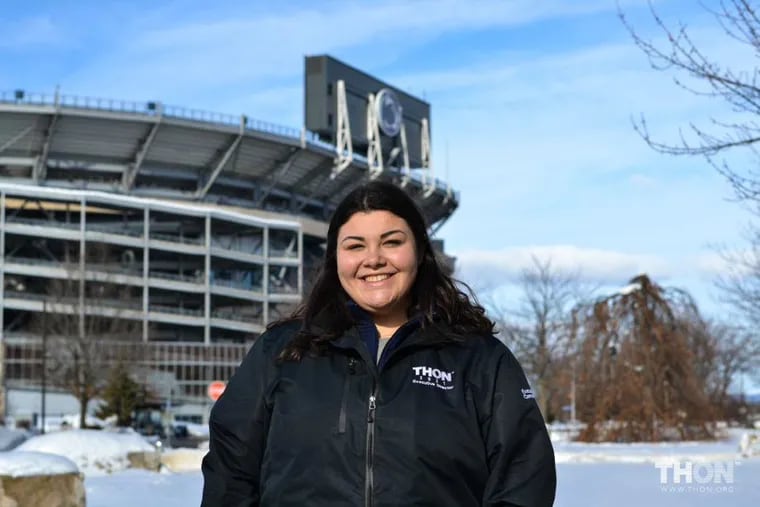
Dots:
{"x": 520, "y": 454}
{"x": 238, "y": 428}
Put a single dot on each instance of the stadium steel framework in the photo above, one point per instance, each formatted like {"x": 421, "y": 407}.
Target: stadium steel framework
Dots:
{"x": 200, "y": 228}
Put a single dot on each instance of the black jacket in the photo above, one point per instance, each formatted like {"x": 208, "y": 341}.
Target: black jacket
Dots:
{"x": 442, "y": 423}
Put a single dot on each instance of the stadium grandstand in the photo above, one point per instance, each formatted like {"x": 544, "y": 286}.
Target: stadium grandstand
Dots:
{"x": 192, "y": 229}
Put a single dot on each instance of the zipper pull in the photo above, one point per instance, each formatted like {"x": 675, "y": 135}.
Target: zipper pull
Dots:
{"x": 372, "y": 407}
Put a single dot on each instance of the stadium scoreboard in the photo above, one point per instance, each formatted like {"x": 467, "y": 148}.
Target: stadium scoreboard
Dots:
{"x": 394, "y": 107}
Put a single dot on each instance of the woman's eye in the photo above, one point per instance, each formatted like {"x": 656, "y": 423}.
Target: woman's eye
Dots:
{"x": 355, "y": 246}
{"x": 393, "y": 242}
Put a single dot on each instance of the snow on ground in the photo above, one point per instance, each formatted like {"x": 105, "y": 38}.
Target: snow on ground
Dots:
{"x": 579, "y": 484}
{"x": 619, "y": 475}
{"x": 11, "y": 438}
{"x": 726, "y": 448}
{"x": 143, "y": 488}
{"x": 94, "y": 451}
{"x": 636, "y": 484}
{"x": 28, "y": 463}
{"x": 592, "y": 475}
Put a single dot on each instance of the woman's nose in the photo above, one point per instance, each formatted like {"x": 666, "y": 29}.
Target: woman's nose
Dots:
{"x": 374, "y": 258}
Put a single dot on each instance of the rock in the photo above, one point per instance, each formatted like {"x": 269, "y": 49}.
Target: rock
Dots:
{"x": 60, "y": 490}
{"x": 6, "y": 501}
{"x": 147, "y": 460}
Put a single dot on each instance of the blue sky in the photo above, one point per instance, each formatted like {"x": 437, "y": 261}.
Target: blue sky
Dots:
{"x": 531, "y": 111}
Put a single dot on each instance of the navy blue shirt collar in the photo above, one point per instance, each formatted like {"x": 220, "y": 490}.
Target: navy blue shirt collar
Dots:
{"x": 370, "y": 336}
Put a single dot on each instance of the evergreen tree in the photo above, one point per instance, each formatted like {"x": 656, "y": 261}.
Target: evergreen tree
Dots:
{"x": 121, "y": 396}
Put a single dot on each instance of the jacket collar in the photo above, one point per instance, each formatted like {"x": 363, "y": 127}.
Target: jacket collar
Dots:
{"x": 363, "y": 337}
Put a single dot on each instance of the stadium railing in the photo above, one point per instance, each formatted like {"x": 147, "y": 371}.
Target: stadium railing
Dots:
{"x": 155, "y": 108}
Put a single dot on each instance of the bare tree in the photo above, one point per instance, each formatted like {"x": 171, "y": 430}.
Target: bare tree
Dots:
{"x": 79, "y": 320}
{"x": 738, "y": 89}
{"x": 537, "y": 329}
{"x": 696, "y": 72}
{"x": 723, "y": 352}
{"x": 740, "y": 284}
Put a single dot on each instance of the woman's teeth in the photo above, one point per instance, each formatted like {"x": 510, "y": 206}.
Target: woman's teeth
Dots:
{"x": 376, "y": 278}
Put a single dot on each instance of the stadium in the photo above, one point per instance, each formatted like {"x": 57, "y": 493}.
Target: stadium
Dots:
{"x": 168, "y": 237}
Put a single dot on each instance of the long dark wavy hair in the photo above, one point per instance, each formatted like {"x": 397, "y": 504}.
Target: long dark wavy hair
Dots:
{"x": 435, "y": 296}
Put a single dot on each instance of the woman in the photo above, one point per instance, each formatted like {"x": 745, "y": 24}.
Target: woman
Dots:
{"x": 387, "y": 388}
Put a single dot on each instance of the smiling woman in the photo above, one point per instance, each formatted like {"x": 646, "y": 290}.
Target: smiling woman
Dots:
{"x": 377, "y": 266}
{"x": 387, "y": 386}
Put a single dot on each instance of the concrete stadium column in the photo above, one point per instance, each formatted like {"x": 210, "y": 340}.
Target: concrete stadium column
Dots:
{"x": 2, "y": 306}
{"x": 146, "y": 273}
{"x": 265, "y": 276}
{"x": 82, "y": 264}
{"x": 2, "y": 262}
{"x": 207, "y": 288}
{"x": 300, "y": 262}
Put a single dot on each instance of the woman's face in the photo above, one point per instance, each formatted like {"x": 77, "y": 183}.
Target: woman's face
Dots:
{"x": 377, "y": 263}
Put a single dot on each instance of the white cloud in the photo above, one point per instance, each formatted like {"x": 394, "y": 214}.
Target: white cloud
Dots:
{"x": 338, "y": 24}
{"x": 230, "y": 49}
{"x": 730, "y": 263}
{"x": 499, "y": 267}
{"x": 712, "y": 263}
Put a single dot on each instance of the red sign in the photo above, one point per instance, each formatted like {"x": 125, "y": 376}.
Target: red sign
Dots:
{"x": 215, "y": 389}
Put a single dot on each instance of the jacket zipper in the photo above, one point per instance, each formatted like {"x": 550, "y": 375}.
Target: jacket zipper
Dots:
{"x": 368, "y": 477}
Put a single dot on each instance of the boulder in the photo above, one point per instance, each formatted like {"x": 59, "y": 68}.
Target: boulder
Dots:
{"x": 60, "y": 490}
{"x": 6, "y": 501}
{"x": 147, "y": 460}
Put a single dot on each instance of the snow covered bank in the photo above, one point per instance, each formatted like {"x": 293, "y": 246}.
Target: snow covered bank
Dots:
{"x": 94, "y": 451}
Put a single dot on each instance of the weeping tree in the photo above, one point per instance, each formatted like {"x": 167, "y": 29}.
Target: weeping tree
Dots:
{"x": 638, "y": 376}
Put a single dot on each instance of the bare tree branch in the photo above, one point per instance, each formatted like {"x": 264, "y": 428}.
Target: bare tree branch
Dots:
{"x": 740, "y": 90}
{"x": 679, "y": 54}
{"x": 537, "y": 328}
